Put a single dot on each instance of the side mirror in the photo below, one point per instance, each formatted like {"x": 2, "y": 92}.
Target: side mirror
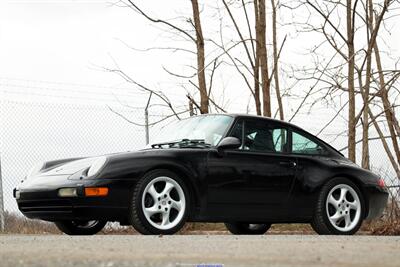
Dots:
{"x": 228, "y": 143}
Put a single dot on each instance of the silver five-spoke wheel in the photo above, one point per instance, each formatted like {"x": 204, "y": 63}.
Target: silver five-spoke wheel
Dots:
{"x": 163, "y": 203}
{"x": 343, "y": 207}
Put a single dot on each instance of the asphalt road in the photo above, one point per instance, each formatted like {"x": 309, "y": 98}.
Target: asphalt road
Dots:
{"x": 191, "y": 250}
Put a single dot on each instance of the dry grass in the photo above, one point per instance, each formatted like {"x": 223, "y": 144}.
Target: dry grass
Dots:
{"x": 17, "y": 224}
{"x": 389, "y": 223}
{"x": 384, "y": 227}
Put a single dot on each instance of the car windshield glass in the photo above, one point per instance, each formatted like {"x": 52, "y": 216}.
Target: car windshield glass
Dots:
{"x": 209, "y": 128}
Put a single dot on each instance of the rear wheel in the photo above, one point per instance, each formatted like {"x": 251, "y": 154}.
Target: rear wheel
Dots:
{"x": 247, "y": 228}
{"x": 160, "y": 203}
{"x": 340, "y": 208}
{"x": 80, "y": 227}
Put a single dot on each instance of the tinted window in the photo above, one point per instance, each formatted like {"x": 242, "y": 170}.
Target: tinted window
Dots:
{"x": 303, "y": 145}
{"x": 237, "y": 131}
{"x": 260, "y": 136}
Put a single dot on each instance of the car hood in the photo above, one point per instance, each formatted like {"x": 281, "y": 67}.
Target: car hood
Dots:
{"x": 72, "y": 166}
{"x": 68, "y": 168}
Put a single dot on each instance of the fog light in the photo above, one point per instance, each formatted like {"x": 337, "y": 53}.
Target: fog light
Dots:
{"x": 17, "y": 194}
{"x": 96, "y": 191}
{"x": 67, "y": 192}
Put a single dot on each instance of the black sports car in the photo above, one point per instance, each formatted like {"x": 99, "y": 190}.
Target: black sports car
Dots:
{"x": 246, "y": 171}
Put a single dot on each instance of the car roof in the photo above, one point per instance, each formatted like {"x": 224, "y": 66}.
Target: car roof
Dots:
{"x": 250, "y": 116}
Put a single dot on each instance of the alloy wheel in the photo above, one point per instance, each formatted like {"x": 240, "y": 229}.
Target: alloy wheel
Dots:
{"x": 343, "y": 207}
{"x": 163, "y": 203}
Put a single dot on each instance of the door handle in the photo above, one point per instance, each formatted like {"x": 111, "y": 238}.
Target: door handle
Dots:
{"x": 290, "y": 164}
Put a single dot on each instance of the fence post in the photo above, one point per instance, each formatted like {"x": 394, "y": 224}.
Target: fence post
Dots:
{"x": 2, "y": 223}
{"x": 146, "y": 125}
{"x": 146, "y": 119}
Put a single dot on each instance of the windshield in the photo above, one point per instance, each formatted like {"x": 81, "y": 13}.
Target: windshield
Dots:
{"x": 209, "y": 128}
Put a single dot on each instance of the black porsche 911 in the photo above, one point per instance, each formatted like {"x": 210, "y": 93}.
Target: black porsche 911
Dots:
{"x": 246, "y": 171}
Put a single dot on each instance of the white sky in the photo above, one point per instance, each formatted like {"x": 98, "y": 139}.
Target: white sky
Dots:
{"x": 67, "y": 41}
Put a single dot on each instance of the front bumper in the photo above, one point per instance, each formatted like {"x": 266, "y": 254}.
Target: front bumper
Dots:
{"x": 42, "y": 202}
{"x": 377, "y": 199}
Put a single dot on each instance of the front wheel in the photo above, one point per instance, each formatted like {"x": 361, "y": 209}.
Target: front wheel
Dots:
{"x": 340, "y": 208}
{"x": 160, "y": 203}
{"x": 80, "y": 227}
{"x": 247, "y": 228}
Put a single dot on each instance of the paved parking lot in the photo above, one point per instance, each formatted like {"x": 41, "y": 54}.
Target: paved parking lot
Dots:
{"x": 192, "y": 250}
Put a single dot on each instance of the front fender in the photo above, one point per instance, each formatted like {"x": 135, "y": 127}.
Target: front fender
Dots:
{"x": 189, "y": 164}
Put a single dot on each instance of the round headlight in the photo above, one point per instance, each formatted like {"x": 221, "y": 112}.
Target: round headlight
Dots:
{"x": 96, "y": 166}
{"x": 35, "y": 169}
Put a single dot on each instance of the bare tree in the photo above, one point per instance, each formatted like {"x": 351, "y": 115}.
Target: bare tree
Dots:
{"x": 261, "y": 40}
{"x": 342, "y": 42}
{"x": 198, "y": 40}
{"x": 257, "y": 59}
{"x": 200, "y": 58}
{"x": 350, "y": 18}
{"x": 275, "y": 72}
{"x": 253, "y": 60}
{"x": 261, "y": 71}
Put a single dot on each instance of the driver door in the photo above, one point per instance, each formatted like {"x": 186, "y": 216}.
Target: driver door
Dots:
{"x": 255, "y": 180}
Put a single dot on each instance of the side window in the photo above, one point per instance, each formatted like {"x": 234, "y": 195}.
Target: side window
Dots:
{"x": 259, "y": 136}
{"x": 280, "y": 139}
{"x": 303, "y": 145}
{"x": 237, "y": 131}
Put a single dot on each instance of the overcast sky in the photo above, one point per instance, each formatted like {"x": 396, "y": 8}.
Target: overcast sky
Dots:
{"x": 67, "y": 41}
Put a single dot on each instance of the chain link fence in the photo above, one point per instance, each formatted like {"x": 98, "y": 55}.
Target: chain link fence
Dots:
{"x": 33, "y": 132}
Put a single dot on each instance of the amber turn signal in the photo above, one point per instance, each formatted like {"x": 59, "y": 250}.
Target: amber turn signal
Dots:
{"x": 96, "y": 191}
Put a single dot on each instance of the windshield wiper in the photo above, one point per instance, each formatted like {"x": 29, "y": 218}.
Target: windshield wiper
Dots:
{"x": 183, "y": 143}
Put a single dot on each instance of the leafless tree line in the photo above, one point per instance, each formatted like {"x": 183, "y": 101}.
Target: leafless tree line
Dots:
{"x": 355, "y": 68}
{"x": 347, "y": 61}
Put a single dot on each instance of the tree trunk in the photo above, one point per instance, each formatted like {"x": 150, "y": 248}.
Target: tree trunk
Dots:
{"x": 365, "y": 163}
{"x": 351, "y": 65}
{"x": 276, "y": 70}
{"x": 385, "y": 146}
{"x": 388, "y": 109}
{"x": 264, "y": 60}
{"x": 256, "y": 70}
{"x": 204, "y": 102}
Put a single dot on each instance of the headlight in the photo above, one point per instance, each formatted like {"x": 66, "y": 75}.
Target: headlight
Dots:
{"x": 35, "y": 169}
{"x": 96, "y": 166}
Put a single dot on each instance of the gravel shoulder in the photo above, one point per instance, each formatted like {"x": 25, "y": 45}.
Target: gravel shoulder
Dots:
{"x": 191, "y": 250}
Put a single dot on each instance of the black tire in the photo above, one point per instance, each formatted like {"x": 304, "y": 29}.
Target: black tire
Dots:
{"x": 136, "y": 214}
{"x": 320, "y": 221}
{"x": 247, "y": 228}
{"x": 80, "y": 227}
